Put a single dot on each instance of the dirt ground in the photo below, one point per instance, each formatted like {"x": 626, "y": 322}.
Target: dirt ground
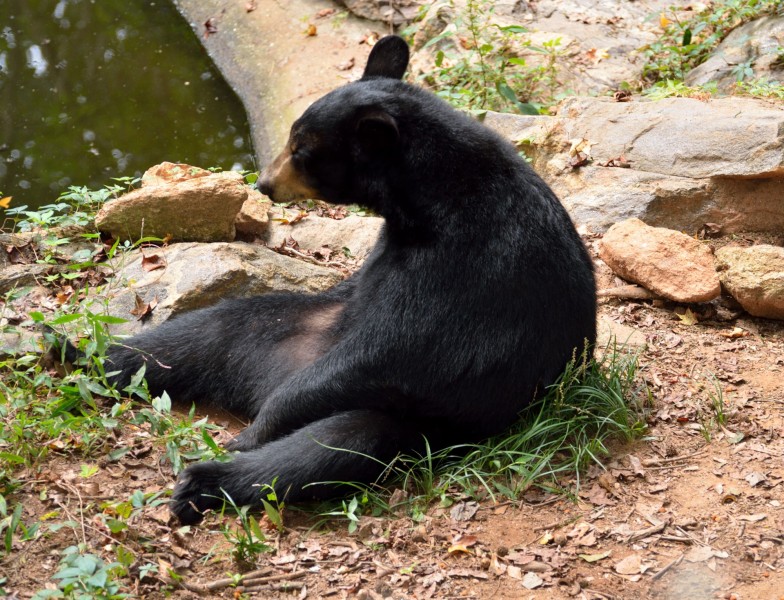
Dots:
{"x": 695, "y": 510}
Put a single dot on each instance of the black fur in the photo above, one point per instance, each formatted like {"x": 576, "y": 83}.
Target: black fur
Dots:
{"x": 475, "y": 297}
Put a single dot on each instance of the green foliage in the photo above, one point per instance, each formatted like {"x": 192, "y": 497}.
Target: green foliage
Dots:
{"x": 677, "y": 89}
{"x": 761, "y": 88}
{"x": 74, "y": 207}
{"x": 248, "y": 540}
{"x": 688, "y": 41}
{"x": 595, "y": 402}
{"x": 351, "y": 509}
{"x": 490, "y": 74}
{"x": 85, "y": 577}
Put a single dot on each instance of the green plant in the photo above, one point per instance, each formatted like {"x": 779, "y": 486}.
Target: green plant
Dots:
{"x": 677, "y": 89}
{"x": 688, "y": 39}
{"x": 75, "y": 206}
{"x": 85, "y": 577}
{"x": 594, "y": 402}
{"x": 248, "y": 540}
{"x": 350, "y": 510}
{"x": 489, "y": 73}
{"x": 761, "y": 88}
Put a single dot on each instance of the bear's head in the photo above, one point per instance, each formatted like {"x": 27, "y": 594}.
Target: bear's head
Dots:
{"x": 346, "y": 140}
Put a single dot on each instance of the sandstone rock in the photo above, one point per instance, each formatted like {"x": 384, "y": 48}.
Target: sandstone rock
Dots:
{"x": 168, "y": 172}
{"x": 669, "y": 263}
{"x": 201, "y": 208}
{"x": 610, "y": 334}
{"x": 394, "y": 12}
{"x": 253, "y": 217}
{"x": 358, "y": 234}
{"x": 19, "y": 276}
{"x": 755, "y": 278}
{"x": 680, "y": 171}
{"x": 682, "y": 137}
{"x": 196, "y": 275}
{"x": 755, "y": 43}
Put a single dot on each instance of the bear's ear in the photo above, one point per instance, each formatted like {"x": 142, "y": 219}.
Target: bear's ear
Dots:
{"x": 388, "y": 58}
{"x": 376, "y": 130}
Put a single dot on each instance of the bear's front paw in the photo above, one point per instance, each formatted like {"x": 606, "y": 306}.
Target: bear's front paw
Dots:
{"x": 197, "y": 490}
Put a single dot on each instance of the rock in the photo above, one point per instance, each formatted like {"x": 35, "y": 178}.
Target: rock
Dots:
{"x": 196, "y": 275}
{"x": 358, "y": 234}
{"x": 754, "y": 276}
{"x": 201, "y": 208}
{"x": 680, "y": 172}
{"x": 755, "y": 43}
{"x": 681, "y": 137}
{"x": 669, "y": 263}
{"x": 611, "y": 335}
{"x": 168, "y": 172}
{"x": 253, "y": 218}
{"x": 394, "y": 12}
{"x": 23, "y": 275}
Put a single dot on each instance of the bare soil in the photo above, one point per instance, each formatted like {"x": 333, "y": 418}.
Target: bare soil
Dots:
{"x": 696, "y": 510}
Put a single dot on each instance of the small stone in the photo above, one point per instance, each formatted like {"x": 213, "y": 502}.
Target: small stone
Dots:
{"x": 253, "y": 218}
{"x": 669, "y": 263}
{"x": 755, "y": 278}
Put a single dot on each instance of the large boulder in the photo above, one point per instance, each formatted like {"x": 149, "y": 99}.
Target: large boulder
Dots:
{"x": 669, "y": 263}
{"x": 755, "y": 278}
{"x": 162, "y": 282}
{"x": 667, "y": 162}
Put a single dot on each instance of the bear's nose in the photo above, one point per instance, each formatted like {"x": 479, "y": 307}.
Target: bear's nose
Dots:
{"x": 264, "y": 185}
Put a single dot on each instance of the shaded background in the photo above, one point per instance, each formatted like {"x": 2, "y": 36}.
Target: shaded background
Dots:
{"x": 91, "y": 90}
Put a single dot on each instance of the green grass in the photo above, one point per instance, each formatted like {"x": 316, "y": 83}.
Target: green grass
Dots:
{"x": 595, "y": 403}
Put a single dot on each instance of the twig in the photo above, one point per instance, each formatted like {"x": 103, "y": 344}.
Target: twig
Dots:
{"x": 219, "y": 584}
{"x": 558, "y": 524}
{"x": 667, "y": 567}
{"x": 644, "y": 533}
{"x": 280, "y": 587}
{"x": 629, "y": 292}
{"x": 654, "y": 462}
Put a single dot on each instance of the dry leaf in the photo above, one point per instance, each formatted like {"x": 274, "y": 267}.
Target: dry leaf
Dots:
{"x": 591, "y": 558}
{"x": 464, "y": 511}
{"x": 699, "y": 554}
{"x": 151, "y": 262}
{"x": 210, "y": 27}
{"x": 250, "y": 6}
{"x": 753, "y": 518}
{"x": 532, "y": 581}
{"x": 514, "y": 572}
{"x": 631, "y": 565}
{"x": 311, "y": 31}
{"x": 688, "y": 317}
{"x": 347, "y": 65}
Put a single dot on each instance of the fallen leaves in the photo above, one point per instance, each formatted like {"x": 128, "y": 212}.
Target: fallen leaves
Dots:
{"x": 580, "y": 152}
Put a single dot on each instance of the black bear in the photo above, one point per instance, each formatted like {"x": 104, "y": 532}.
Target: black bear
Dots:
{"x": 477, "y": 294}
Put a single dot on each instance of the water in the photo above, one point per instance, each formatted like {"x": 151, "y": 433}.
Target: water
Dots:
{"x": 95, "y": 89}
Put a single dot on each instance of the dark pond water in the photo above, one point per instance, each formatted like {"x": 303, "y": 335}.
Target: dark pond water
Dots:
{"x": 95, "y": 89}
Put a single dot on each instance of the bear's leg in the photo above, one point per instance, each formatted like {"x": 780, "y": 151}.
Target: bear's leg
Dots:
{"x": 233, "y": 354}
{"x": 352, "y": 446}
